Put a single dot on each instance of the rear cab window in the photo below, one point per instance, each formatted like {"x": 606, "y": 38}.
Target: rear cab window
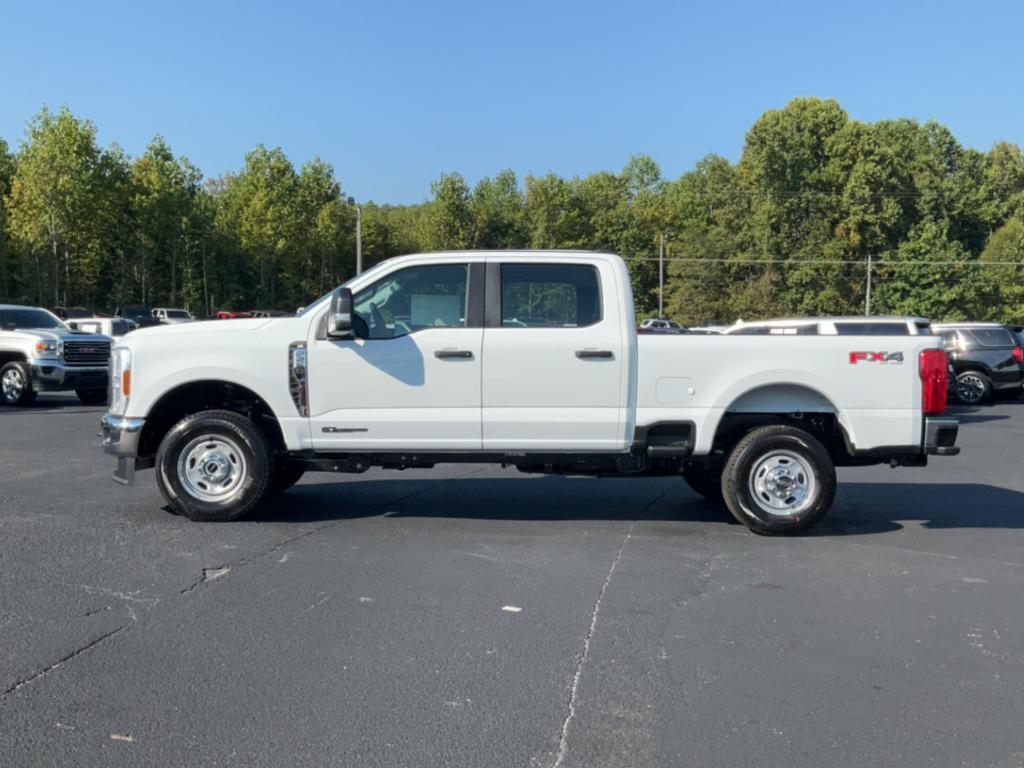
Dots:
{"x": 550, "y": 295}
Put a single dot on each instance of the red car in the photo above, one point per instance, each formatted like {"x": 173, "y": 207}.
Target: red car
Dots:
{"x": 225, "y": 315}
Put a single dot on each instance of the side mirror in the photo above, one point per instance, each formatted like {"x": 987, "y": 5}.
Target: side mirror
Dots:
{"x": 339, "y": 318}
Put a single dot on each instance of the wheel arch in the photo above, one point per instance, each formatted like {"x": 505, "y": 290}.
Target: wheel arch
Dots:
{"x": 10, "y": 356}
{"x": 203, "y": 395}
{"x": 789, "y": 403}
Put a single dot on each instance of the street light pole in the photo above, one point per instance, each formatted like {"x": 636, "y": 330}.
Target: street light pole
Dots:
{"x": 359, "y": 234}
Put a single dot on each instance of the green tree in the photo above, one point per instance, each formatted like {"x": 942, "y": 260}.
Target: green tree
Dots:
{"x": 925, "y": 276}
{"x": 53, "y": 199}
{"x": 448, "y": 221}
{"x": 1002, "y": 269}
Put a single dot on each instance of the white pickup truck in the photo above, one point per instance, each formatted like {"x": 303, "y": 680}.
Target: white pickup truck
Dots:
{"x": 40, "y": 353}
{"x": 525, "y": 358}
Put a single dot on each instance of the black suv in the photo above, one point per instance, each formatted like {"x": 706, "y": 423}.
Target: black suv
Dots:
{"x": 987, "y": 358}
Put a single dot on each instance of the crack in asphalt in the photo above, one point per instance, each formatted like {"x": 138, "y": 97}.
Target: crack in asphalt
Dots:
{"x": 563, "y": 739}
{"x": 208, "y": 574}
{"x": 64, "y": 659}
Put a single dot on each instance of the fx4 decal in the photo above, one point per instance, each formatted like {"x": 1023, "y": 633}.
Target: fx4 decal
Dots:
{"x": 876, "y": 357}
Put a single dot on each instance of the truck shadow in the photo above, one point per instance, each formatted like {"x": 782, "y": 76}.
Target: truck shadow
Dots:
{"x": 860, "y": 508}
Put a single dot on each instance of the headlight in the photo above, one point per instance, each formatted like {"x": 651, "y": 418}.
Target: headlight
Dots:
{"x": 47, "y": 348}
{"x": 120, "y": 380}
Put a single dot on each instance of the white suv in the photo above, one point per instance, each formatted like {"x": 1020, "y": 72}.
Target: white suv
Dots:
{"x": 172, "y": 316}
{"x": 833, "y": 326}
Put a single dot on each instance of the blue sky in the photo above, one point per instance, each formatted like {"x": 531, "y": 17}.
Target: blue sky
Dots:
{"x": 394, "y": 94}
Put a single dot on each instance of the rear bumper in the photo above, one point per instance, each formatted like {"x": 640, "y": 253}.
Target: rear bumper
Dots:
{"x": 940, "y": 436}
{"x": 55, "y": 376}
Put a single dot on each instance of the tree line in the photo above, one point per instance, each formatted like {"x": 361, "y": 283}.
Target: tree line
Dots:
{"x": 788, "y": 229}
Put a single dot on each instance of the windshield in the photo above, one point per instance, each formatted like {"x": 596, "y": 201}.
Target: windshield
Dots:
{"x": 178, "y": 313}
{"x": 313, "y": 305}
{"x": 27, "y": 318}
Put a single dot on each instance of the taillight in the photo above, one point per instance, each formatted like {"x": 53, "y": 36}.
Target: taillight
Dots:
{"x": 1018, "y": 354}
{"x": 934, "y": 381}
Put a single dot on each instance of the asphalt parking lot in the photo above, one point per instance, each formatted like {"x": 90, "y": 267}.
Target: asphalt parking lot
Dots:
{"x": 474, "y": 616}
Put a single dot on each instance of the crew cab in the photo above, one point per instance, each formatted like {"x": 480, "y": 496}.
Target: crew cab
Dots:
{"x": 426, "y": 359}
{"x": 40, "y": 353}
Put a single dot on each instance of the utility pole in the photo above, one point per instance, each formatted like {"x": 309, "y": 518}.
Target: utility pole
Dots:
{"x": 867, "y": 300}
{"x": 661, "y": 278}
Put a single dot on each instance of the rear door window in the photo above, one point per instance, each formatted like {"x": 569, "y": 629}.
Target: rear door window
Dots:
{"x": 549, "y": 296}
{"x": 872, "y": 329}
{"x": 990, "y": 337}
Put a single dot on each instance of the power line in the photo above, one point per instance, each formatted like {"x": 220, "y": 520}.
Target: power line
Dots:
{"x": 861, "y": 262}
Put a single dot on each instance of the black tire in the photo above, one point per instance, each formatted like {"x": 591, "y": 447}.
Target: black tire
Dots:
{"x": 704, "y": 480}
{"x": 91, "y": 396}
{"x": 286, "y": 474}
{"x": 222, "y": 438}
{"x": 801, "y": 463}
{"x": 973, "y": 388}
{"x": 16, "y": 384}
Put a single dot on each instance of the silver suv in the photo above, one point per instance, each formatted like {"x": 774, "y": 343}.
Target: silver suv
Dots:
{"x": 39, "y": 353}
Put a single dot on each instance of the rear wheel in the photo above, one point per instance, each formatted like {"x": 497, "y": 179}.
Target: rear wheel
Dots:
{"x": 779, "y": 480}
{"x": 704, "y": 480}
{"x": 91, "y": 396}
{"x": 973, "y": 387}
{"x": 214, "y": 466}
{"x": 16, "y": 384}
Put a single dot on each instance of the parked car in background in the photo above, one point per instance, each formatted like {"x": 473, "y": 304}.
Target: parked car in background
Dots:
{"x": 173, "y": 316}
{"x": 141, "y": 316}
{"x": 658, "y": 325}
{"x": 114, "y": 327}
{"x": 987, "y": 358}
{"x": 39, "y": 353}
{"x": 270, "y": 313}
{"x": 706, "y": 330}
{"x": 833, "y": 326}
{"x": 73, "y": 313}
{"x": 228, "y": 315}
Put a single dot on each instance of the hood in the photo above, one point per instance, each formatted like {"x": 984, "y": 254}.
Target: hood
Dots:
{"x": 204, "y": 326}
{"x": 62, "y": 334}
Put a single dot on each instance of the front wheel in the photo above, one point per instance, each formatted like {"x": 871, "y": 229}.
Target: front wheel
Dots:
{"x": 91, "y": 396}
{"x": 214, "y": 466}
{"x": 16, "y": 384}
{"x": 779, "y": 480}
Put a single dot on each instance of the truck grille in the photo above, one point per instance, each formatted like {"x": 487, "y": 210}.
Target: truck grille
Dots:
{"x": 87, "y": 352}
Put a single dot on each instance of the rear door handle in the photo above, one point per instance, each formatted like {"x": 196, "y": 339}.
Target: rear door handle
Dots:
{"x": 454, "y": 354}
{"x": 586, "y": 354}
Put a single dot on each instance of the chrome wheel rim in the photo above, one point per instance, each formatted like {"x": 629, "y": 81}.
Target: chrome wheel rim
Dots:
{"x": 212, "y": 468}
{"x": 13, "y": 384}
{"x": 782, "y": 483}
{"x": 970, "y": 388}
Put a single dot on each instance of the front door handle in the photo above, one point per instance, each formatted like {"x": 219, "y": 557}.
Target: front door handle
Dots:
{"x": 454, "y": 354}
{"x": 587, "y": 354}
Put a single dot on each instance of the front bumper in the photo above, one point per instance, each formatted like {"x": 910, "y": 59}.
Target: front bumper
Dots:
{"x": 121, "y": 436}
{"x": 940, "y": 436}
{"x": 56, "y": 376}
